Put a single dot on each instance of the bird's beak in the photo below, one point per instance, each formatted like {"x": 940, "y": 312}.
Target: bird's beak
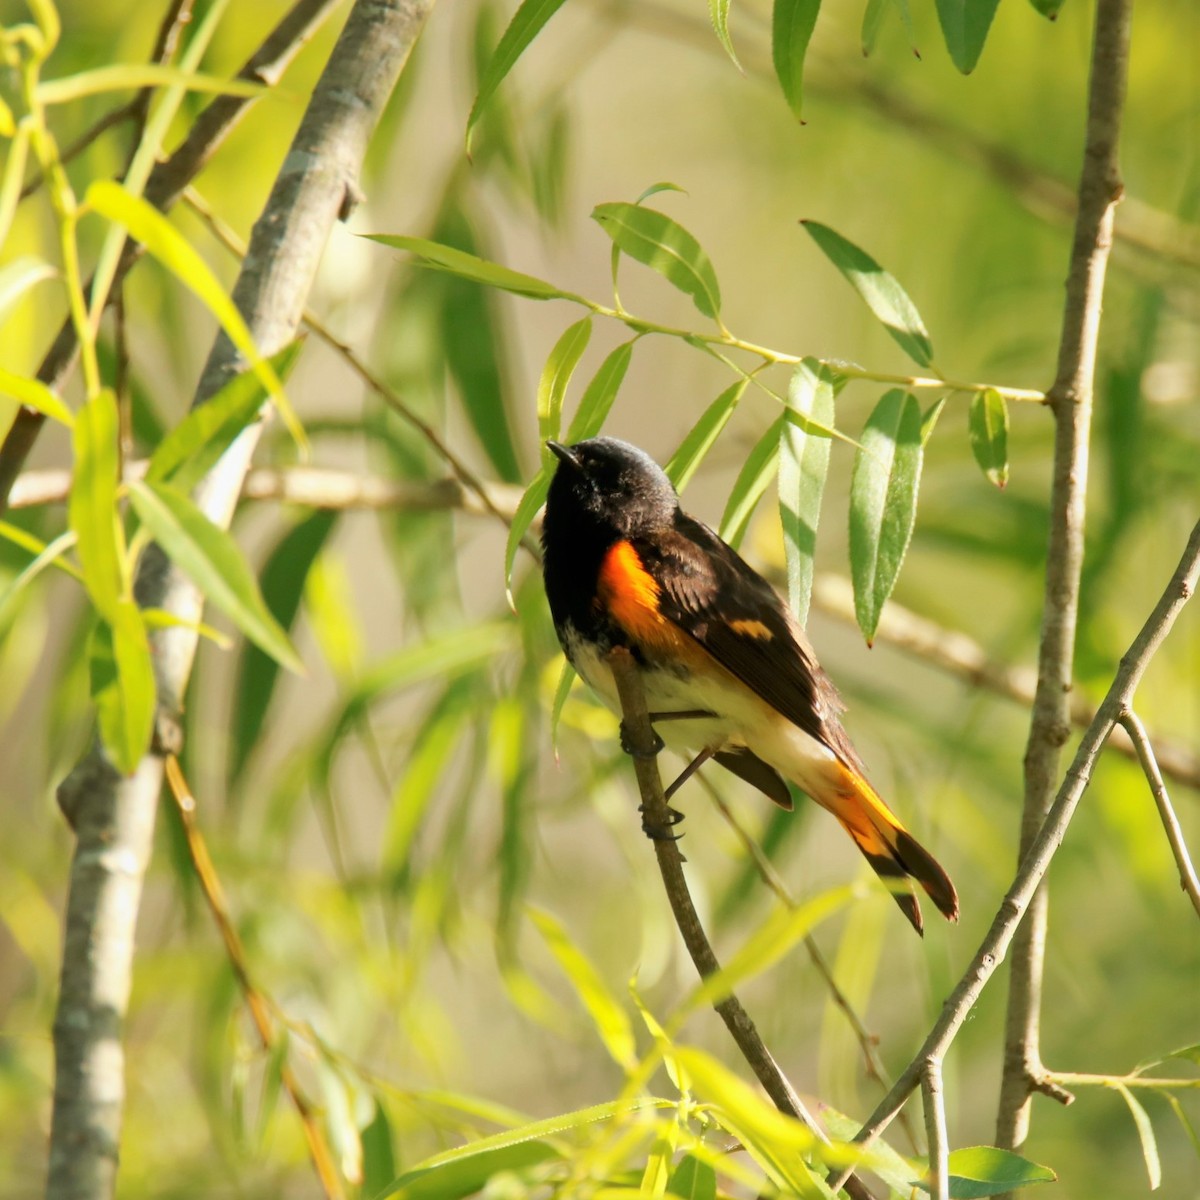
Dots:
{"x": 564, "y": 454}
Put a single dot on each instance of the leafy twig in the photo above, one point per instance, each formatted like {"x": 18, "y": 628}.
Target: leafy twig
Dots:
{"x": 256, "y": 1002}
{"x": 644, "y": 750}
{"x": 1145, "y": 752}
{"x": 1037, "y": 861}
{"x": 1070, "y": 400}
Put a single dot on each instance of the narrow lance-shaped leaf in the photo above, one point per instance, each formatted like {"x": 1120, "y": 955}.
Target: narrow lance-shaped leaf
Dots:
{"x": 753, "y": 480}
{"x": 186, "y": 453}
{"x": 18, "y": 277}
{"x": 965, "y": 25}
{"x": 33, "y": 393}
{"x": 599, "y": 395}
{"x": 1048, "y": 8}
{"x": 145, "y": 223}
{"x": 883, "y": 503}
{"x": 980, "y": 1171}
{"x": 128, "y": 76}
{"x": 527, "y": 509}
{"x": 528, "y": 21}
{"x": 718, "y": 13}
{"x": 658, "y": 241}
{"x": 1145, "y": 1130}
{"x": 92, "y": 508}
{"x": 882, "y": 294}
{"x": 556, "y": 375}
{"x": 470, "y": 266}
{"x": 215, "y": 564}
{"x": 122, "y": 685}
{"x": 701, "y": 437}
{"x": 693, "y": 1179}
{"x": 792, "y": 23}
{"x": 988, "y": 425}
{"x": 803, "y": 466}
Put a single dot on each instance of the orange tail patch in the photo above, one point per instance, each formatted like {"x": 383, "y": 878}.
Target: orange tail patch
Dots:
{"x": 894, "y": 854}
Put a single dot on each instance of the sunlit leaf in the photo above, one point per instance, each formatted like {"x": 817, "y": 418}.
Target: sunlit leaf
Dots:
{"x": 561, "y": 692}
{"x": 658, "y": 241}
{"x": 930, "y": 419}
{"x": 693, "y": 1179}
{"x": 888, "y": 1163}
{"x": 134, "y": 76}
{"x": 92, "y": 507}
{"x": 803, "y": 465}
{"x": 147, "y": 225}
{"x": 186, "y": 453}
{"x": 1145, "y": 1130}
{"x": 883, "y": 503}
{"x": 378, "y": 1159}
{"x": 528, "y": 21}
{"x": 215, "y": 564}
{"x": 753, "y": 480}
{"x": 599, "y": 395}
{"x": 36, "y": 395}
{"x": 469, "y": 266}
{"x": 980, "y": 1171}
{"x": 718, "y": 13}
{"x": 44, "y": 556}
{"x": 122, "y": 685}
{"x": 18, "y": 277}
{"x": 556, "y": 375}
{"x": 792, "y": 23}
{"x": 882, "y": 294}
{"x": 527, "y": 508}
{"x": 965, "y": 25}
{"x": 610, "y": 1019}
{"x": 701, "y": 437}
{"x": 988, "y": 424}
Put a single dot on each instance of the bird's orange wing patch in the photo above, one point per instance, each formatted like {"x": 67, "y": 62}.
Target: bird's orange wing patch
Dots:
{"x": 630, "y": 594}
{"x": 752, "y": 629}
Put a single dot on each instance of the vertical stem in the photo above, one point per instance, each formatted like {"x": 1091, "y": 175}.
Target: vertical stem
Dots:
{"x": 1070, "y": 400}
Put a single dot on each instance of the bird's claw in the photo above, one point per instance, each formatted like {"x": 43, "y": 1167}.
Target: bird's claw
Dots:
{"x": 630, "y": 749}
{"x": 657, "y": 832}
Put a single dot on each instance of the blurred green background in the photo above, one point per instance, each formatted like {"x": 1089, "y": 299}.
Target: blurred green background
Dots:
{"x": 382, "y": 825}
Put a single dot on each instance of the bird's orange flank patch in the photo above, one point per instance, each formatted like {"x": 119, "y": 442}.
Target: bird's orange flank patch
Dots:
{"x": 630, "y": 594}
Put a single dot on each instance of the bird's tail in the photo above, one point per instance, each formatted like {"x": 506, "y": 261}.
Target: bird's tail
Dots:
{"x": 894, "y": 854}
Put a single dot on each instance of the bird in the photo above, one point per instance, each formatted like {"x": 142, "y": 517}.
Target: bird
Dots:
{"x": 728, "y": 673}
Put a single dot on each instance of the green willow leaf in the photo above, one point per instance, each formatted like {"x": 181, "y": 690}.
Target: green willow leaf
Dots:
{"x": 92, "y": 508}
{"x": 658, "y": 241}
{"x": 528, "y": 21}
{"x": 599, "y": 395}
{"x": 882, "y": 294}
{"x": 701, "y": 437}
{"x": 988, "y": 425}
{"x": 1048, "y": 8}
{"x": 215, "y": 564}
{"x": 562, "y": 690}
{"x": 1145, "y": 1130}
{"x": 980, "y": 1171}
{"x": 469, "y": 266}
{"x": 693, "y": 1179}
{"x": 186, "y": 453}
{"x": 718, "y": 13}
{"x": 752, "y": 481}
{"x": 883, "y": 503}
{"x": 556, "y": 375}
{"x": 33, "y": 393}
{"x": 803, "y": 466}
{"x": 965, "y": 25}
{"x": 147, "y": 225}
{"x": 132, "y": 76}
{"x": 792, "y": 23}
{"x": 122, "y": 685}
{"x": 19, "y": 277}
{"x": 528, "y": 508}
{"x": 872, "y": 20}
{"x": 930, "y": 419}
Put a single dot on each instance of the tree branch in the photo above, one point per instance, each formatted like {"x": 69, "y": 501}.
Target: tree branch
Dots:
{"x": 1036, "y": 862}
{"x": 163, "y": 187}
{"x": 1070, "y": 400}
{"x": 934, "y": 1101}
{"x": 644, "y": 748}
{"x": 1145, "y": 752}
{"x": 114, "y": 816}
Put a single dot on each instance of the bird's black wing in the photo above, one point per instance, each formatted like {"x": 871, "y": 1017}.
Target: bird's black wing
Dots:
{"x": 710, "y": 593}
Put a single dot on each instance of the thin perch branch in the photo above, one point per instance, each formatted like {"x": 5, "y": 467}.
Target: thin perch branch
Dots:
{"x": 1145, "y": 751}
{"x": 935, "y": 1130}
{"x": 1033, "y": 867}
{"x": 644, "y": 751}
{"x": 1070, "y": 399}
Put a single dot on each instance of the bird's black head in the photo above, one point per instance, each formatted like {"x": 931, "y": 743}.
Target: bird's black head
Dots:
{"x": 608, "y": 489}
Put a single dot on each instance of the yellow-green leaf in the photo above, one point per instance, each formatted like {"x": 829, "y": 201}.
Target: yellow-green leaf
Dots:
{"x": 92, "y": 507}
{"x": 134, "y": 76}
{"x": 36, "y": 395}
{"x": 122, "y": 685}
{"x": 147, "y": 225}
{"x": 214, "y": 563}
{"x": 988, "y": 424}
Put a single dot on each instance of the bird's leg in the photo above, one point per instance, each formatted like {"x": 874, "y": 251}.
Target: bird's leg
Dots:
{"x": 674, "y": 815}
{"x": 686, "y": 714}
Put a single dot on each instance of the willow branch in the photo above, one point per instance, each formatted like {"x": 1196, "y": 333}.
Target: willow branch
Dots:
{"x": 644, "y": 748}
{"x": 1070, "y": 400}
{"x": 934, "y": 1101}
{"x": 114, "y": 816}
{"x": 1145, "y": 752}
{"x": 256, "y": 1002}
{"x": 1036, "y": 862}
{"x": 163, "y": 188}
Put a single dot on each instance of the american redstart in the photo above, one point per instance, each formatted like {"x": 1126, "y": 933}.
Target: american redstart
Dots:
{"x": 728, "y": 673}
